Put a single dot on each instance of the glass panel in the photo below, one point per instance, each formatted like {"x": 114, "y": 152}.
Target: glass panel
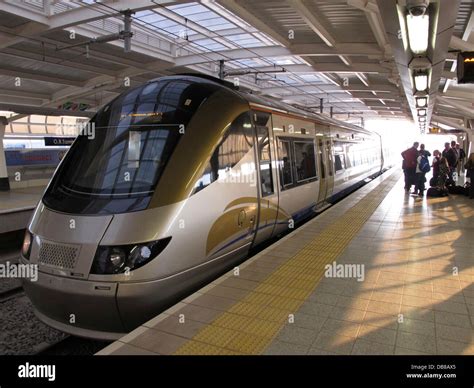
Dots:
{"x": 235, "y": 145}
{"x": 339, "y": 156}
{"x": 105, "y": 166}
{"x": 266, "y": 179}
{"x": 264, "y": 157}
{"x": 305, "y": 163}
{"x": 37, "y": 119}
{"x": 284, "y": 162}
{"x": 339, "y": 163}
{"x": 37, "y": 128}
{"x": 117, "y": 166}
{"x": 20, "y": 125}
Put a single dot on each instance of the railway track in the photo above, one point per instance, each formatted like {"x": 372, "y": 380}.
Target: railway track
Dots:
{"x": 23, "y": 334}
{"x": 10, "y": 293}
{"x": 73, "y": 346}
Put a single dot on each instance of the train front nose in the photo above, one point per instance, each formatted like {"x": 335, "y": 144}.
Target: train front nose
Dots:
{"x": 63, "y": 247}
{"x": 78, "y": 307}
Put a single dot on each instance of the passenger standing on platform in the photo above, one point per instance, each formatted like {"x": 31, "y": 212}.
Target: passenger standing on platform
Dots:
{"x": 409, "y": 165}
{"x": 443, "y": 173}
{"x": 462, "y": 156}
{"x": 423, "y": 151}
{"x": 422, "y": 167}
{"x": 435, "y": 165}
{"x": 470, "y": 174}
{"x": 451, "y": 156}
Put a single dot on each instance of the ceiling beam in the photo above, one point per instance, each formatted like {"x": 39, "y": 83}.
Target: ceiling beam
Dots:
{"x": 449, "y": 122}
{"x": 378, "y": 88}
{"x": 346, "y": 49}
{"x": 372, "y": 14}
{"x": 469, "y": 27}
{"x": 189, "y": 24}
{"x": 305, "y": 50}
{"x": 459, "y": 44}
{"x": 322, "y": 95}
{"x": 332, "y": 68}
{"x": 93, "y": 12}
{"x": 40, "y": 24}
{"x": 316, "y": 25}
{"x": 24, "y": 93}
{"x": 235, "y": 20}
{"x": 249, "y": 17}
{"x": 453, "y": 93}
{"x": 26, "y": 110}
{"x": 467, "y": 111}
{"x": 55, "y": 58}
{"x": 312, "y": 21}
{"x": 37, "y": 76}
{"x": 27, "y": 12}
{"x": 307, "y": 87}
{"x": 232, "y": 55}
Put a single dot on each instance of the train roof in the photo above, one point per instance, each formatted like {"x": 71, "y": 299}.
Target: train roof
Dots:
{"x": 269, "y": 102}
{"x": 281, "y": 106}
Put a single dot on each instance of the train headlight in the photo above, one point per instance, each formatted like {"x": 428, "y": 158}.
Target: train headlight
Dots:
{"x": 26, "y": 247}
{"x": 117, "y": 258}
{"x": 122, "y": 258}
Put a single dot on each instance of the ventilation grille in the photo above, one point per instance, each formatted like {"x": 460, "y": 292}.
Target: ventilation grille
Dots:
{"x": 58, "y": 255}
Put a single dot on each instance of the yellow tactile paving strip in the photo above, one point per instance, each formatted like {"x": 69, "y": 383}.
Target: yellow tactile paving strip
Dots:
{"x": 250, "y": 325}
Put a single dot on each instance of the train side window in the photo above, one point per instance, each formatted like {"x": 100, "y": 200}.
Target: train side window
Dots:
{"x": 264, "y": 159}
{"x": 284, "y": 163}
{"x": 339, "y": 162}
{"x": 339, "y": 157}
{"x": 305, "y": 161}
{"x": 321, "y": 159}
{"x": 329, "y": 156}
{"x": 236, "y": 143}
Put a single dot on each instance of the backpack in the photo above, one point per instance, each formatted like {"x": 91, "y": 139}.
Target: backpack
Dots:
{"x": 424, "y": 164}
{"x": 458, "y": 190}
{"x": 436, "y": 192}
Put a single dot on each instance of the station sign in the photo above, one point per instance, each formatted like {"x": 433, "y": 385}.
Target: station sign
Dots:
{"x": 435, "y": 130}
{"x": 465, "y": 67}
{"x": 34, "y": 157}
{"x": 58, "y": 141}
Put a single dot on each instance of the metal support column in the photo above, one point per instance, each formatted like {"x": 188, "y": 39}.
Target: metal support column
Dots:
{"x": 4, "y": 182}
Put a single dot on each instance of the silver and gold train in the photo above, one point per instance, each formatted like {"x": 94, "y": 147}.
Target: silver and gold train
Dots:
{"x": 177, "y": 180}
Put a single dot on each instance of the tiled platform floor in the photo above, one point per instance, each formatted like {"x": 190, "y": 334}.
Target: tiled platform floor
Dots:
{"x": 416, "y": 297}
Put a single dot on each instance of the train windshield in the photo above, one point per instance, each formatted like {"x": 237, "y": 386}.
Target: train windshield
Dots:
{"x": 116, "y": 162}
{"x": 120, "y": 161}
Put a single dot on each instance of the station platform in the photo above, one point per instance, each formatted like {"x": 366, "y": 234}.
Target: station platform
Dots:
{"x": 405, "y": 286}
{"x": 16, "y": 207}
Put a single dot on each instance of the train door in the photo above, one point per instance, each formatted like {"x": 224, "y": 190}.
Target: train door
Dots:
{"x": 326, "y": 166}
{"x": 268, "y": 195}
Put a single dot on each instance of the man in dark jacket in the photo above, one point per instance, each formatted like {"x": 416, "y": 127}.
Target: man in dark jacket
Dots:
{"x": 462, "y": 157}
{"x": 451, "y": 156}
{"x": 409, "y": 165}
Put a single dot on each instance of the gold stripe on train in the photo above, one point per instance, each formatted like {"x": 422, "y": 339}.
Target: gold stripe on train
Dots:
{"x": 227, "y": 225}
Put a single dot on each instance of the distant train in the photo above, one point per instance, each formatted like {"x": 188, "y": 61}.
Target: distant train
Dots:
{"x": 180, "y": 178}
